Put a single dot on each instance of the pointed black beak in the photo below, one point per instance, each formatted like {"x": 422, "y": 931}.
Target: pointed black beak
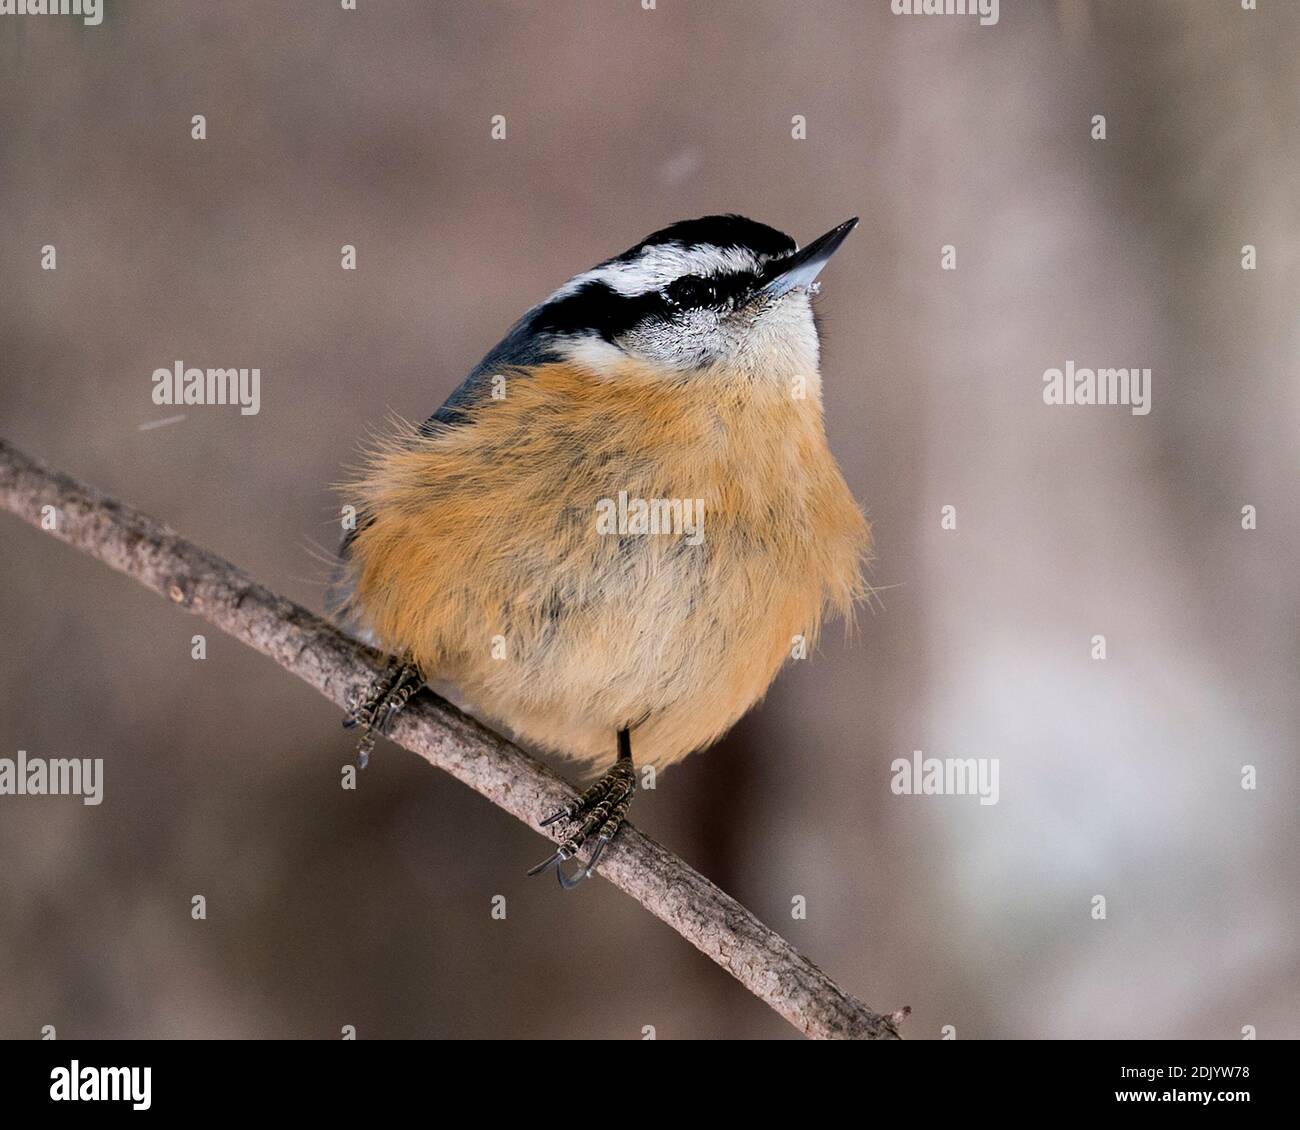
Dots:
{"x": 801, "y": 267}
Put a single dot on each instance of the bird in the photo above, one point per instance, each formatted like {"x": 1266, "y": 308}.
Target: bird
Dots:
{"x": 615, "y": 532}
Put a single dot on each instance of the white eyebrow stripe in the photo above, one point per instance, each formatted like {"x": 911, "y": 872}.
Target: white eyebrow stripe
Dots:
{"x": 660, "y": 264}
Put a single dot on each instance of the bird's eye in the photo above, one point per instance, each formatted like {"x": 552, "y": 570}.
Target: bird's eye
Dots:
{"x": 691, "y": 290}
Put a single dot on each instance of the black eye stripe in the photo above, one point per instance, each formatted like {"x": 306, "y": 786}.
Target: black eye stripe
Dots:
{"x": 692, "y": 291}
{"x": 596, "y": 307}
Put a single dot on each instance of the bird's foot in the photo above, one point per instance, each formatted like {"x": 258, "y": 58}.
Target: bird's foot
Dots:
{"x": 381, "y": 704}
{"x": 599, "y": 813}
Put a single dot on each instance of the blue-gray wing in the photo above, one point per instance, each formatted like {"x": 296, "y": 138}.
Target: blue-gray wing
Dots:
{"x": 520, "y": 348}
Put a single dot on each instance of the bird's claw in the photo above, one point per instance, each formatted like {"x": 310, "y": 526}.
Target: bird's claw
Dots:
{"x": 382, "y": 703}
{"x": 602, "y": 809}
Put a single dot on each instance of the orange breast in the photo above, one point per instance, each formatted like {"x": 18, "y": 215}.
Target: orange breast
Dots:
{"x": 508, "y": 555}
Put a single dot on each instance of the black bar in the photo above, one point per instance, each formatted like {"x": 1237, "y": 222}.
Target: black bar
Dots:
{"x": 338, "y": 1078}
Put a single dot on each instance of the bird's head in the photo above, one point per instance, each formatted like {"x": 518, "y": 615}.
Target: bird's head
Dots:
{"x": 720, "y": 292}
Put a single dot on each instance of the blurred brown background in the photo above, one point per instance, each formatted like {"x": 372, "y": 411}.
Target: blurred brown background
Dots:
{"x": 328, "y": 127}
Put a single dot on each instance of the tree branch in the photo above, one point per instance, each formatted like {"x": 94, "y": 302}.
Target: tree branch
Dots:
{"x": 339, "y": 667}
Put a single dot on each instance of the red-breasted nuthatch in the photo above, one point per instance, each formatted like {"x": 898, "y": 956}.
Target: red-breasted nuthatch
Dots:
{"x": 624, "y": 521}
